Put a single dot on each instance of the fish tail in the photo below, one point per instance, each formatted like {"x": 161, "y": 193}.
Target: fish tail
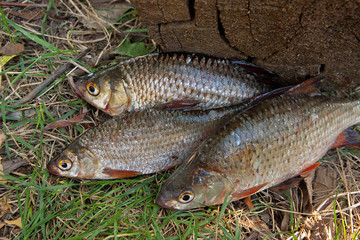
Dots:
{"x": 262, "y": 74}
{"x": 348, "y": 138}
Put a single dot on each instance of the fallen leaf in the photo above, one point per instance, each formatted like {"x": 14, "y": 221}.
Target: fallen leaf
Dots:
{"x": 308, "y": 192}
{"x": 285, "y": 222}
{"x": 11, "y": 165}
{"x": 5, "y": 207}
{"x": 259, "y": 226}
{"x": 28, "y": 15}
{"x": 107, "y": 14}
{"x": 324, "y": 184}
{"x": 132, "y": 49}
{"x": 4, "y": 59}
{"x": 12, "y": 49}
{"x": 16, "y": 222}
{"x": 317, "y": 227}
{"x": 65, "y": 123}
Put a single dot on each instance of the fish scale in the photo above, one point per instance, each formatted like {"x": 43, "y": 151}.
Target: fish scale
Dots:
{"x": 277, "y": 139}
{"x": 139, "y": 143}
{"x": 158, "y": 79}
{"x": 260, "y": 132}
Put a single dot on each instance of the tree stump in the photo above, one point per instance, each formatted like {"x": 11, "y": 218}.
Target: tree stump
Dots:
{"x": 295, "y": 39}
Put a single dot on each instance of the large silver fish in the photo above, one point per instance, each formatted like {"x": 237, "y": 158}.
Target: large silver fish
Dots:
{"x": 277, "y": 139}
{"x": 173, "y": 80}
{"x": 138, "y": 143}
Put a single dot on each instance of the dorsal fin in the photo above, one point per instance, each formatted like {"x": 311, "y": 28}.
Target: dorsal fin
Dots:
{"x": 307, "y": 87}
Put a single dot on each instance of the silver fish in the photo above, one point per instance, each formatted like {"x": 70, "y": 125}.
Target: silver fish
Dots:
{"x": 173, "y": 81}
{"x": 138, "y": 143}
{"x": 277, "y": 139}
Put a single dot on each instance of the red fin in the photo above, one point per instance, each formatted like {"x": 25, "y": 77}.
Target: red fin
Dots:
{"x": 247, "y": 193}
{"x": 179, "y": 104}
{"x": 113, "y": 173}
{"x": 348, "y": 138}
{"x": 307, "y": 87}
{"x": 310, "y": 168}
{"x": 248, "y": 203}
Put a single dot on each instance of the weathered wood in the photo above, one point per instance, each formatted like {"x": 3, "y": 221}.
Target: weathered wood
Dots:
{"x": 293, "y": 38}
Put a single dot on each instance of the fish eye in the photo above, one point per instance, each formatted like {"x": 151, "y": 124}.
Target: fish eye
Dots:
{"x": 65, "y": 164}
{"x": 93, "y": 89}
{"x": 186, "y": 197}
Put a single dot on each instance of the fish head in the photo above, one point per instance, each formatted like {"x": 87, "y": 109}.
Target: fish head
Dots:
{"x": 193, "y": 189}
{"x": 120, "y": 99}
{"x": 75, "y": 162}
{"x": 106, "y": 91}
{"x": 95, "y": 89}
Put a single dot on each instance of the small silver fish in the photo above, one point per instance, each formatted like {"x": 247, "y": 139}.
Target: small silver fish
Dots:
{"x": 276, "y": 139}
{"x": 173, "y": 81}
{"x": 138, "y": 143}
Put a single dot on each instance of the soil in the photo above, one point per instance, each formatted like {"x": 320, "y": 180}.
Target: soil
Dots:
{"x": 295, "y": 39}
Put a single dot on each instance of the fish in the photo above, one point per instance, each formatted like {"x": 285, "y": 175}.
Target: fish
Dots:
{"x": 173, "y": 81}
{"x": 276, "y": 139}
{"x": 143, "y": 142}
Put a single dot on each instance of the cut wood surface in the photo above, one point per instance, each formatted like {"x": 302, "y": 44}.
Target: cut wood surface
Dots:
{"x": 296, "y": 39}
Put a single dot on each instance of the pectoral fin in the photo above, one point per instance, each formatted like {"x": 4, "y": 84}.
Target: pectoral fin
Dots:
{"x": 310, "y": 168}
{"x": 179, "y": 105}
{"x": 245, "y": 193}
{"x": 114, "y": 173}
{"x": 248, "y": 203}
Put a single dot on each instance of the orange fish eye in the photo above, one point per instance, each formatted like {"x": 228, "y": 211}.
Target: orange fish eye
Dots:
{"x": 93, "y": 88}
{"x": 186, "y": 197}
{"x": 65, "y": 164}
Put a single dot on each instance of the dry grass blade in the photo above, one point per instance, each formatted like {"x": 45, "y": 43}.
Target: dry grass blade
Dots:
{"x": 50, "y": 79}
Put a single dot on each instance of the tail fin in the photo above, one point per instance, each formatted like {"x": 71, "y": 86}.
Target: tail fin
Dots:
{"x": 260, "y": 73}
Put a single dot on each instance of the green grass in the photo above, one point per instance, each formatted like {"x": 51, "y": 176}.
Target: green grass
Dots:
{"x": 100, "y": 209}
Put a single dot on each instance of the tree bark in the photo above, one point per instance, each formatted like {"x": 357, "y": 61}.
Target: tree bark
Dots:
{"x": 295, "y": 39}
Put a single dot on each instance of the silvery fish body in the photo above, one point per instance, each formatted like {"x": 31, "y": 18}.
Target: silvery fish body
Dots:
{"x": 277, "y": 139}
{"x": 173, "y": 80}
{"x": 138, "y": 143}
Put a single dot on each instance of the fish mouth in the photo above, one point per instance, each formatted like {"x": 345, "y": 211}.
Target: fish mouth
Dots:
{"x": 53, "y": 169}
{"x": 79, "y": 89}
{"x": 162, "y": 203}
